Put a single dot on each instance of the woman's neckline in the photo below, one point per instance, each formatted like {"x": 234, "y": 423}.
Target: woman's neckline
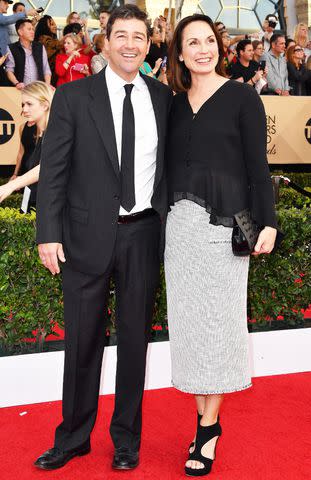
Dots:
{"x": 195, "y": 114}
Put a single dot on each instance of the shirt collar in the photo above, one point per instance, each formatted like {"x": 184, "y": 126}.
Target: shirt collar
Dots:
{"x": 115, "y": 83}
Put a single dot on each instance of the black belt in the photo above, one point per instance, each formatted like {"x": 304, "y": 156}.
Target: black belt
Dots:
{"x": 134, "y": 217}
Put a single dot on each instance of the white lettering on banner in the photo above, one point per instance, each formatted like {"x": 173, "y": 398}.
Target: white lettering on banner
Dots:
{"x": 6, "y": 128}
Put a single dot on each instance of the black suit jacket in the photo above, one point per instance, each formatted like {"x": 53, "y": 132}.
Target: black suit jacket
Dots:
{"x": 79, "y": 187}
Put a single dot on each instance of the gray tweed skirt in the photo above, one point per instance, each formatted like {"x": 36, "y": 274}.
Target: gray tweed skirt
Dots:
{"x": 206, "y": 301}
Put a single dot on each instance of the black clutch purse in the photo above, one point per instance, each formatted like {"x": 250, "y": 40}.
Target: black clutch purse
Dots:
{"x": 245, "y": 234}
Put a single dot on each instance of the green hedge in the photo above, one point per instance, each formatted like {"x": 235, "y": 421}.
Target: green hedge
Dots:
{"x": 31, "y": 298}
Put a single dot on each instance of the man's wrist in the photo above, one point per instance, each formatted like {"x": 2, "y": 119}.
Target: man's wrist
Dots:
{"x": 16, "y": 83}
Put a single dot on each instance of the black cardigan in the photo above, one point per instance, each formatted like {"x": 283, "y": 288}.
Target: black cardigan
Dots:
{"x": 218, "y": 159}
{"x": 298, "y": 79}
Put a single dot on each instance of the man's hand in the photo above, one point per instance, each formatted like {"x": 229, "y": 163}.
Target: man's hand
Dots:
{"x": 49, "y": 254}
{"x": 32, "y": 12}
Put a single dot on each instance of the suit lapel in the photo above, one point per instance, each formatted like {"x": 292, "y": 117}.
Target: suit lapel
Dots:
{"x": 100, "y": 111}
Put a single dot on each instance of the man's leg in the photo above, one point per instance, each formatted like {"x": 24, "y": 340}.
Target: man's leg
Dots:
{"x": 136, "y": 277}
{"x": 85, "y": 305}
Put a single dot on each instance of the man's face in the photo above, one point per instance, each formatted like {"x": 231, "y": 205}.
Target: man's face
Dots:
{"x": 279, "y": 46}
{"x": 127, "y": 47}
{"x": 103, "y": 19}
{"x": 26, "y": 32}
{"x": 247, "y": 54}
{"x": 3, "y": 6}
{"x": 20, "y": 9}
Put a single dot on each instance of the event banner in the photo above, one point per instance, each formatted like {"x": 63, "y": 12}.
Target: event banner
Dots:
{"x": 288, "y": 127}
{"x": 10, "y": 121}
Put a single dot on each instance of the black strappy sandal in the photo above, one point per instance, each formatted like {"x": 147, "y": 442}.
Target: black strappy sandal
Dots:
{"x": 204, "y": 435}
{"x": 192, "y": 444}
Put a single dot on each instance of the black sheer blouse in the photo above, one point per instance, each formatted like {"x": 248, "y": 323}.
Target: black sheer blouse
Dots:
{"x": 217, "y": 158}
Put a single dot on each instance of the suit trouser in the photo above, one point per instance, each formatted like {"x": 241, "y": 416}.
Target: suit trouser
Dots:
{"x": 135, "y": 268}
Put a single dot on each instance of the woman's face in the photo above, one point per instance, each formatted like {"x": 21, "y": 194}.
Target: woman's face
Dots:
{"x": 69, "y": 46}
{"x": 156, "y": 35}
{"x": 298, "y": 53}
{"x": 259, "y": 50}
{"x": 32, "y": 109}
{"x": 225, "y": 40}
{"x": 52, "y": 25}
{"x": 199, "y": 48}
{"x": 303, "y": 31}
{"x": 75, "y": 18}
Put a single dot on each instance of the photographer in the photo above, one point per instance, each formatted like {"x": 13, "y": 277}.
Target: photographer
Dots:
{"x": 269, "y": 25}
{"x": 246, "y": 69}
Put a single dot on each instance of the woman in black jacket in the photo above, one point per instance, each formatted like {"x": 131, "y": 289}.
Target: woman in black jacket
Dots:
{"x": 299, "y": 77}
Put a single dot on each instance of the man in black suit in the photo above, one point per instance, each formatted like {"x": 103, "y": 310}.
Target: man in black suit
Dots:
{"x": 101, "y": 206}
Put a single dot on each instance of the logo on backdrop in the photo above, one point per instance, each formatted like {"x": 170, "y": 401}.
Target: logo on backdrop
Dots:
{"x": 308, "y": 130}
{"x": 271, "y": 132}
{"x": 7, "y": 126}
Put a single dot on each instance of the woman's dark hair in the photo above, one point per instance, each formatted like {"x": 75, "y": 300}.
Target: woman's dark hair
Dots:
{"x": 72, "y": 28}
{"x": 43, "y": 28}
{"x": 179, "y": 75}
{"x": 127, "y": 12}
{"x": 99, "y": 42}
{"x": 288, "y": 41}
{"x": 255, "y": 43}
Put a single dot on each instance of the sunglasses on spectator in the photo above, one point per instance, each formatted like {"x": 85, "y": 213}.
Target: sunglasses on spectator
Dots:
{"x": 298, "y": 50}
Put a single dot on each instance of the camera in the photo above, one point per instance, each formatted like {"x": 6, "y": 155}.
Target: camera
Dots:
{"x": 262, "y": 65}
{"x": 272, "y": 21}
{"x": 40, "y": 10}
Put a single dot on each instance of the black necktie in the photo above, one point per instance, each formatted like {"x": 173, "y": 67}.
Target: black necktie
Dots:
{"x": 127, "y": 152}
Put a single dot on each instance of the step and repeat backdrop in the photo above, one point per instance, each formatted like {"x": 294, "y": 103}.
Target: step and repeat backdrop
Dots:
{"x": 288, "y": 128}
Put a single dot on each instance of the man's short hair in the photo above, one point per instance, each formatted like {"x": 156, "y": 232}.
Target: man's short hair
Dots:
{"x": 242, "y": 45}
{"x": 20, "y": 23}
{"x": 275, "y": 38}
{"x": 16, "y": 5}
{"x": 105, "y": 10}
{"x": 127, "y": 12}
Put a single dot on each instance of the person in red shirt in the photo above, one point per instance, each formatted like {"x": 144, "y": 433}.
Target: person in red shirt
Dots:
{"x": 72, "y": 64}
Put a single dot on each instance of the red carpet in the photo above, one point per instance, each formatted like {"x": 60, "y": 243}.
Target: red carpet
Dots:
{"x": 266, "y": 436}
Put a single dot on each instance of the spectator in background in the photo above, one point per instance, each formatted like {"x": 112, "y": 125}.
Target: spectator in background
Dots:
{"x": 289, "y": 42}
{"x": 269, "y": 25}
{"x": 77, "y": 29}
{"x": 3, "y": 77}
{"x": 246, "y": 69}
{"x": 158, "y": 49}
{"x": 27, "y": 61}
{"x": 36, "y": 103}
{"x": 18, "y": 7}
{"x": 221, "y": 29}
{"x": 99, "y": 61}
{"x": 72, "y": 64}
{"x": 298, "y": 75}
{"x": 6, "y": 20}
{"x": 301, "y": 38}
{"x": 103, "y": 19}
{"x": 73, "y": 17}
{"x": 277, "y": 75}
{"x": 258, "y": 49}
{"x": 229, "y": 55}
{"x": 46, "y": 33}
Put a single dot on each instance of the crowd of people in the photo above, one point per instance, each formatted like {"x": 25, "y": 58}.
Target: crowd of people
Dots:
{"x": 30, "y": 50}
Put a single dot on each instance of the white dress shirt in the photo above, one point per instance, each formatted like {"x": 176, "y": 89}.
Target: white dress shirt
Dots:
{"x": 146, "y": 135}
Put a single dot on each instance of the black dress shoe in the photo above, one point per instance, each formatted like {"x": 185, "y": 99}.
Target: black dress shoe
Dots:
{"x": 56, "y": 458}
{"x": 125, "y": 459}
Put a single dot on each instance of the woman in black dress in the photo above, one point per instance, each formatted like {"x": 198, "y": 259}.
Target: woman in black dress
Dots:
{"x": 217, "y": 167}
